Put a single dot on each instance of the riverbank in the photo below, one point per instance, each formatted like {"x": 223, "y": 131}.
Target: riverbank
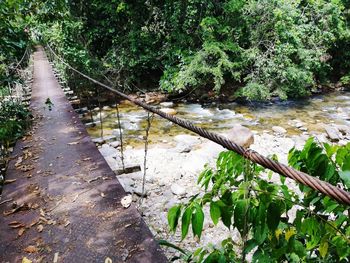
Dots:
{"x": 175, "y": 158}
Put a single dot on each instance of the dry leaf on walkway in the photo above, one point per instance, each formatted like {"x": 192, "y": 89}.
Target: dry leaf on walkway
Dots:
{"x": 55, "y": 258}
{"x": 6, "y": 213}
{"x": 126, "y": 201}
{"x": 31, "y": 249}
{"x": 10, "y": 181}
{"x": 19, "y": 161}
{"x": 21, "y": 231}
{"x": 40, "y": 228}
{"x": 73, "y": 143}
{"x": 26, "y": 168}
{"x": 25, "y": 260}
{"x": 16, "y": 224}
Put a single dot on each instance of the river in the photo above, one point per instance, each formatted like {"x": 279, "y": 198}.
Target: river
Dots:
{"x": 296, "y": 116}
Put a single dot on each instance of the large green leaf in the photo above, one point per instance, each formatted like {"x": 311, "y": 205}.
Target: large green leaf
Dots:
{"x": 345, "y": 176}
{"x": 274, "y": 214}
{"x": 215, "y": 212}
{"x": 173, "y": 217}
{"x": 197, "y": 221}
{"x": 185, "y": 222}
{"x": 240, "y": 216}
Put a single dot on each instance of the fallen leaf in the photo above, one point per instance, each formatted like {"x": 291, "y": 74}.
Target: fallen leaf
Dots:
{"x": 25, "y": 260}
{"x": 21, "y": 231}
{"x": 10, "y": 181}
{"x": 40, "y": 228}
{"x": 55, "y": 258}
{"x": 33, "y": 223}
{"x": 126, "y": 201}
{"x": 17, "y": 225}
{"x": 26, "y": 168}
{"x": 73, "y": 143}
{"x": 14, "y": 223}
{"x": 31, "y": 249}
{"x": 19, "y": 161}
{"x": 6, "y": 213}
{"x": 94, "y": 179}
{"x": 67, "y": 223}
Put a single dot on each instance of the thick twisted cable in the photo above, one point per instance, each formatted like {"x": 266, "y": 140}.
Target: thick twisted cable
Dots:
{"x": 326, "y": 188}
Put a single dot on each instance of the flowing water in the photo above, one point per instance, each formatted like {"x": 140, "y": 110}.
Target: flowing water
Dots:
{"x": 311, "y": 115}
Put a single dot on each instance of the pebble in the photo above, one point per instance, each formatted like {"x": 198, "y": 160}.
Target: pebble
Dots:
{"x": 279, "y": 129}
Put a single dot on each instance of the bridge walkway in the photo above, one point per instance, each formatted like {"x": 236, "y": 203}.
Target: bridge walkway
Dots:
{"x": 62, "y": 202}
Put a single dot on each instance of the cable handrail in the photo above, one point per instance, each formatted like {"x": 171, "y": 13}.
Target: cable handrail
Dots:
{"x": 315, "y": 183}
{"x": 22, "y": 59}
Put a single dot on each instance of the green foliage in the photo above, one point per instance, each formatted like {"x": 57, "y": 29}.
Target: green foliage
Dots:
{"x": 252, "y": 49}
{"x": 14, "y": 120}
{"x": 275, "y": 223}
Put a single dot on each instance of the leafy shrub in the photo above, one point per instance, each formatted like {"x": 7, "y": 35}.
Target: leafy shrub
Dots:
{"x": 14, "y": 120}
{"x": 274, "y": 222}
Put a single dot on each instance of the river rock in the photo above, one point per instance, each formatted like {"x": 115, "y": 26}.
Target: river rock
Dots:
{"x": 167, "y": 104}
{"x": 332, "y": 133}
{"x": 183, "y": 148}
{"x": 241, "y": 135}
{"x": 178, "y": 189}
{"x": 106, "y": 108}
{"x": 169, "y": 111}
{"x": 344, "y": 129}
{"x": 115, "y": 144}
{"x": 98, "y": 141}
{"x": 279, "y": 129}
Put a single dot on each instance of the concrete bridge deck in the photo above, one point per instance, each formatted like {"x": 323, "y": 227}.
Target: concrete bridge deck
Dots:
{"x": 63, "y": 201}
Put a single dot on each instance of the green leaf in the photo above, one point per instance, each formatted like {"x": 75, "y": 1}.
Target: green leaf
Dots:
{"x": 185, "y": 222}
{"x": 240, "y": 216}
{"x": 168, "y": 244}
{"x": 323, "y": 248}
{"x": 197, "y": 221}
{"x": 173, "y": 217}
{"x": 345, "y": 176}
{"x": 215, "y": 212}
{"x": 274, "y": 214}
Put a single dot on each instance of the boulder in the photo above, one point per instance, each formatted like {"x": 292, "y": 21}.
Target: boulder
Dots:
{"x": 168, "y": 111}
{"x": 332, "y": 133}
{"x": 279, "y": 129}
{"x": 240, "y": 135}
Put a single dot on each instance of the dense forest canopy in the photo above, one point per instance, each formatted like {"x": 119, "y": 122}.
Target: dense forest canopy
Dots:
{"x": 255, "y": 49}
